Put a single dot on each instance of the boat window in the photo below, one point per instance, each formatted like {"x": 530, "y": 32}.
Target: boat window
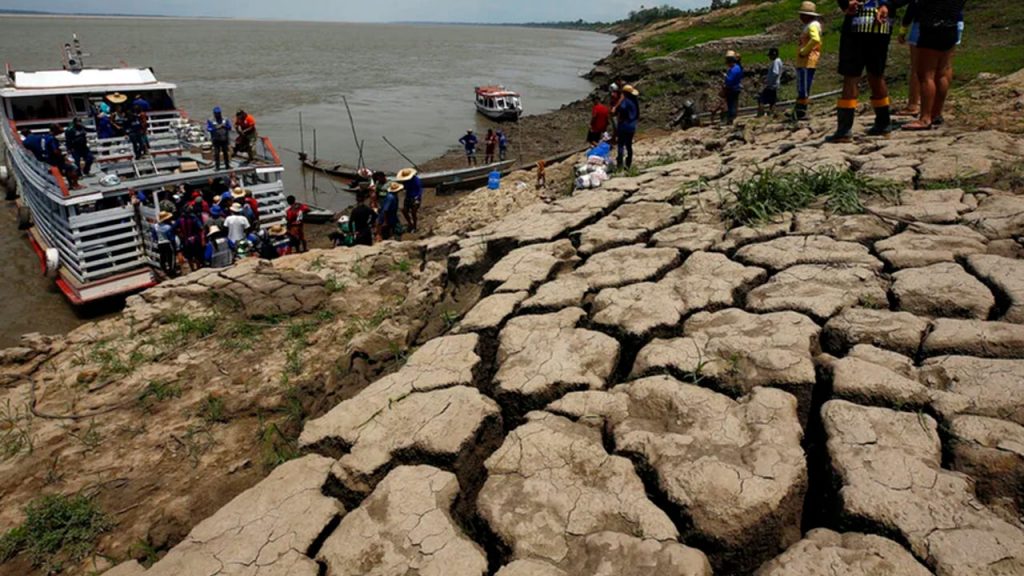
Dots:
{"x": 501, "y": 103}
{"x": 40, "y": 108}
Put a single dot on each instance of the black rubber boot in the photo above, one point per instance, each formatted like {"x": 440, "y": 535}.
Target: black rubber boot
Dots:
{"x": 844, "y": 129}
{"x": 800, "y": 111}
{"x": 883, "y": 122}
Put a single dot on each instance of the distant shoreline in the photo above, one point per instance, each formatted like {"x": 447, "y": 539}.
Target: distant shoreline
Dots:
{"x": 59, "y": 15}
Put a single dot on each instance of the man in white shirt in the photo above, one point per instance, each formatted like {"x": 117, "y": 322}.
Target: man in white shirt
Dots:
{"x": 236, "y": 223}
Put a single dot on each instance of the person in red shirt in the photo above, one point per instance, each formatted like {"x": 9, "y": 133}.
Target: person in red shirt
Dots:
{"x": 296, "y": 227}
{"x": 599, "y": 119}
{"x": 245, "y": 124}
{"x": 490, "y": 145}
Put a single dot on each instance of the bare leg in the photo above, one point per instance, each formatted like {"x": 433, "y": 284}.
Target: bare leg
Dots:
{"x": 927, "y": 71}
{"x": 943, "y": 79}
{"x": 914, "y": 99}
{"x": 879, "y": 89}
{"x": 851, "y": 87}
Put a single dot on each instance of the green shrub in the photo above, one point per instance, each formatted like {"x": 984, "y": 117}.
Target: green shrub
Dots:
{"x": 212, "y": 410}
{"x": 57, "y": 528}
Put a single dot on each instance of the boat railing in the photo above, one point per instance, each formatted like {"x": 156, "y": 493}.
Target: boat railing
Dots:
{"x": 107, "y": 242}
{"x": 40, "y": 175}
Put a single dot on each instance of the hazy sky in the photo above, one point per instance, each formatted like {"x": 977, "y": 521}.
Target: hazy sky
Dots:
{"x": 360, "y": 10}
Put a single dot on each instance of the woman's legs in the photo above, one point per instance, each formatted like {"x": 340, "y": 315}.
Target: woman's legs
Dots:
{"x": 943, "y": 78}
{"x": 914, "y": 99}
{"x": 928, "y": 70}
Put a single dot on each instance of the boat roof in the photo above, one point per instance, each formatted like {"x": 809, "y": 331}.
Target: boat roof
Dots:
{"x": 495, "y": 91}
{"x": 86, "y": 81}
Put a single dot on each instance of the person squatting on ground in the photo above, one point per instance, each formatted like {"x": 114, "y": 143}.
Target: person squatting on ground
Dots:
{"x": 808, "y": 54}
{"x": 627, "y": 116}
{"x": 219, "y": 129}
{"x": 769, "y": 95}
{"x": 940, "y": 23}
{"x": 864, "y": 46}
{"x": 732, "y": 86}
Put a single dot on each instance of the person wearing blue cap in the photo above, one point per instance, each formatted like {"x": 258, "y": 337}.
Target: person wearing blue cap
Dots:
{"x": 219, "y": 128}
{"x": 216, "y": 218}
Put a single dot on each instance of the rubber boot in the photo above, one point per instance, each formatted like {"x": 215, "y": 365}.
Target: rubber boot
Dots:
{"x": 883, "y": 118}
{"x": 844, "y": 129}
{"x": 800, "y": 111}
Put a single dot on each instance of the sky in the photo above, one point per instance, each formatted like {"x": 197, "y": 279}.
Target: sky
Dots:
{"x": 491, "y": 11}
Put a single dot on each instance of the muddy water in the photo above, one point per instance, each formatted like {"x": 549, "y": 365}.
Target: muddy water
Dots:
{"x": 413, "y": 84}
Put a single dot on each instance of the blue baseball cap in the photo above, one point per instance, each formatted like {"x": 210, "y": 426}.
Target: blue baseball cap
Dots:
{"x": 216, "y": 110}
{"x": 215, "y": 210}
{"x": 225, "y": 196}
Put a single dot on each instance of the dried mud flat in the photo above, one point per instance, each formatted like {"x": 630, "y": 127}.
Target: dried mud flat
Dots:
{"x": 637, "y": 386}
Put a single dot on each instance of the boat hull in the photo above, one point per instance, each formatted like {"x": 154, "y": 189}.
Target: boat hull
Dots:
{"x": 500, "y": 115}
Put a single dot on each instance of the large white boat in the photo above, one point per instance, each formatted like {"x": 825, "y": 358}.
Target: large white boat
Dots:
{"x": 93, "y": 238}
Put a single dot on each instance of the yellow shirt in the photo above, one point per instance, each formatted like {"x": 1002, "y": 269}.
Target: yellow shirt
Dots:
{"x": 810, "y": 46}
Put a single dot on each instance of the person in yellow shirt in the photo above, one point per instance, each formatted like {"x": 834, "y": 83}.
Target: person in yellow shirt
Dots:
{"x": 807, "y": 57}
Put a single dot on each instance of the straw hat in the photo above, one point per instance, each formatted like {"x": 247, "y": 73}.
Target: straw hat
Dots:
{"x": 631, "y": 90}
{"x": 238, "y": 193}
{"x": 395, "y": 187}
{"x": 117, "y": 98}
{"x": 213, "y": 230}
{"x": 277, "y": 230}
{"x": 165, "y": 216}
{"x": 405, "y": 174}
{"x": 809, "y": 9}
{"x": 236, "y": 208}
{"x": 732, "y": 55}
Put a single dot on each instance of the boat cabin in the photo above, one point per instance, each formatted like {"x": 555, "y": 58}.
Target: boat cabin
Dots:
{"x": 497, "y": 103}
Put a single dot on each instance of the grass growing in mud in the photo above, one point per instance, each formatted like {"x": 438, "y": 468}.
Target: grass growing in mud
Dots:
{"x": 57, "y": 529}
{"x": 769, "y": 193}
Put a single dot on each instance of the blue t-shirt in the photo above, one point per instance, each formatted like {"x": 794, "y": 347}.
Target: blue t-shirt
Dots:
{"x": 469, "y": 141}
{"x": 628, "y": 115}
{"x": 389, "y": 210}
{"x": 414, "y": 188}
{"x": 142, "y": 104}
{"x": 34, "y": 144}
{"x": 734, "y": 78}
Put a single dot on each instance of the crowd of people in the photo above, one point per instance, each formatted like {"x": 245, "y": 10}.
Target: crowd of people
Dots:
{"x": 933, "y": 29}
{"x": 217, "y": 224}
{"x": 495, "y": 140}
{"x": 375, "y": 217}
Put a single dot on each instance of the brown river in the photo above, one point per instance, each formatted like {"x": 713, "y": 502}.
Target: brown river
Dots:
{"x": 411, "y": 83}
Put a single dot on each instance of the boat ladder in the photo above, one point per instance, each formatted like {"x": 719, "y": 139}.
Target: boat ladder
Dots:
{"x": 148, "y": 167}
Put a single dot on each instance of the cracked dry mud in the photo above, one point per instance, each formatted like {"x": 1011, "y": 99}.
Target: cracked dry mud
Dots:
{"x": 644, "y": 387}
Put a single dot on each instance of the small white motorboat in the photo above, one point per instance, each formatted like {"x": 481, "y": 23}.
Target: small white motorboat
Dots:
{"x": 497, "y": 103}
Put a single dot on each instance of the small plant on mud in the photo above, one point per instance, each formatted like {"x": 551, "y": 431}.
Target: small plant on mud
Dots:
{"x": 57, "y": 529}
{"x": 276, "y": 448}
{"x": 242, "y": 336}
{"x": 211, "y": 410}
{"x": 450, "y": 318}
{"x": 359, "y": 271}
{"x": 111, "y": 364}
{"x": 661, "y": 160}
{"x": 317, "y": 264}
{"x": 403, "y": 266}
{"x": 91, "y": 438}
{"x": 156, "y": 392}
{"x": 196, "y": 441}
{"x": 333, "y": 285}
{"x": 15, "y": 430}
{"x": 185, "y": 328}
{"x": 145, "y": 552}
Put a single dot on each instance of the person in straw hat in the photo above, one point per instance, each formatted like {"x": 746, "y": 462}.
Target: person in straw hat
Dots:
{"x": 236, "y": 224}
{"x": 220, "y": 252}
{"x": 388, "y": 225}
{"x": 733, "y": 85}
{"x": 413, "y": 196}
{"x": 808, "y": 53}
{"x": 628, "y": 117}
{"x": 279, "y": 240}
{"x": 166, "y": 243}
{"x": 864, "y": 46}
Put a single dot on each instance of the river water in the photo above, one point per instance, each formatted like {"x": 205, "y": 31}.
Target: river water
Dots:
{"x": 411, "y": 83}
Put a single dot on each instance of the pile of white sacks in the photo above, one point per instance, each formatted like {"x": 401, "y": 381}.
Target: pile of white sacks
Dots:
{"x": 595, "y": 171}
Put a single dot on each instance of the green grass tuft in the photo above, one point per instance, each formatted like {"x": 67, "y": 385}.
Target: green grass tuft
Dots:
{"x": 769, "y": 193}
{"x": 57, "y": 529}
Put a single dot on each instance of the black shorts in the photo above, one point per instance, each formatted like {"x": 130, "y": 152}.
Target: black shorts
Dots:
{"x": 411, "y": 202}
{"x": 769, "y": 97}
{"x": 934, "y": 38}
{"x": 594, "y": 137}
{"x": 859, "y": 51}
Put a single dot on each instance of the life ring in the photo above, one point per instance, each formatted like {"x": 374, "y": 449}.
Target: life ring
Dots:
{"x": 24, "y": 218}
{"x": 52, "y": 262}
